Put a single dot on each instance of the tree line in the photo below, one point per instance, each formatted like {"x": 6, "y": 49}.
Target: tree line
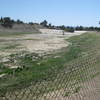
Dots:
{"x": 69, "y": 28}
{"x": 7, "y": 22}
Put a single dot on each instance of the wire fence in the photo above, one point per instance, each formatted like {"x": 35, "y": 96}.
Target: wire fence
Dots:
{"x": 74, "y": 82}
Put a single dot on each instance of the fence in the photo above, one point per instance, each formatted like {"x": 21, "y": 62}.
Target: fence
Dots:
{"x": 74, "y": 82}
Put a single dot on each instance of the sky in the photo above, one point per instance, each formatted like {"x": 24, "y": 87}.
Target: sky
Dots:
{"x": 56, "y": 12}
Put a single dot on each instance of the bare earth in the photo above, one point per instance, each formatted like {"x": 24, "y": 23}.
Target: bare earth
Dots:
{"x": 90, "y": 91}
{"x": 48, "y": 40}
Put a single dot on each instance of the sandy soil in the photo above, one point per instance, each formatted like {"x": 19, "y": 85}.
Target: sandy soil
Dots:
{"x": 48, "y": 40}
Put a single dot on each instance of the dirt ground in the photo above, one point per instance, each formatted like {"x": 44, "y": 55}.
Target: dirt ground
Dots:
{"x": 48, "y": 40}
{"x": 90, "y": 91}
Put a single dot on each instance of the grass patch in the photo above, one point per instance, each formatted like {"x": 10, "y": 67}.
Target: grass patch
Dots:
{"x": 13, "y": 46}
{"x": 8, "y": 34}
{"x": 6, "y": 47}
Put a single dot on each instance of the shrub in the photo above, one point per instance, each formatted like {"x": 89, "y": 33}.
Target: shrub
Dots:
{"x": 69, "y": 29}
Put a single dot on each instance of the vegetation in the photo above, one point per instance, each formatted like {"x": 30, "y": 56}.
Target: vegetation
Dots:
{"x": 72, "y": 65}
{"x": 37, "y": 69}
{"x": 8, "y": 34}
{"x": 80, "y": 28}
{"x": 69, "y": 28}
{"x": 7, "y": 22}
{"x": 44, "y": 23}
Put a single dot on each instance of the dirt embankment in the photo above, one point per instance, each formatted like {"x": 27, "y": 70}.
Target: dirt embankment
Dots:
{"x": 20, "y": 28}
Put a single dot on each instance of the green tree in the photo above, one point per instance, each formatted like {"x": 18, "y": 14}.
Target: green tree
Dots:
{"x": 44, "y": 23}
{"x": 6, "y": 22}
{"x": 19, "y": 22}
{"x": 69, "y": 29}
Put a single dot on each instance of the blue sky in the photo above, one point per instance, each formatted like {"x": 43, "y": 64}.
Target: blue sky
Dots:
{"x": 58, "y": 12}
